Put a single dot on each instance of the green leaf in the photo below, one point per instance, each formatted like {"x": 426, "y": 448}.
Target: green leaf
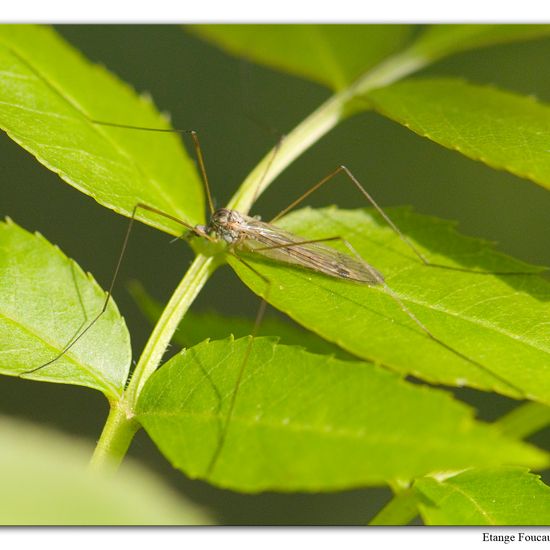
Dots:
{"x": 45, "y": 301}
{"x": 308, "y": 422}
{"x": 45, "y": 480}
{"x": 497, "y": 325}
{"x": 49, "y": 94}
{"x": 333, "y": 55}
{"x": 439, "y": 41}
{"x": 503, "y": 130}
{"x": 199, "y": 326}
{"x": 487, "y": 496}
{"x": 336, "y": 55}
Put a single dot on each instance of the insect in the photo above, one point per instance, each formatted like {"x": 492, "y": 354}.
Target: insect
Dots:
{"x": 240, "y": 230}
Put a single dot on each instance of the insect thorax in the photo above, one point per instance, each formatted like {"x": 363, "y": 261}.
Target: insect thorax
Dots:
{"x": 227, "y": 225}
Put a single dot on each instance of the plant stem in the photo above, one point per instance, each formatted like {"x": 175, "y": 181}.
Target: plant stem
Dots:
{"x": 115, "y": 439}
{"x": 400, "y": 510}
{"x": 184, "y": 295}
{"x": 121, "y": 425}
{"x": 524, "y": 420}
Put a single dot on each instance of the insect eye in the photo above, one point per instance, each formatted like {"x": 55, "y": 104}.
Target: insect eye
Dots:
{"x": 220, "y": 216}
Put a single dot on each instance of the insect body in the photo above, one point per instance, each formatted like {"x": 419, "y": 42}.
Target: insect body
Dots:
{"x": 250, "y": 234}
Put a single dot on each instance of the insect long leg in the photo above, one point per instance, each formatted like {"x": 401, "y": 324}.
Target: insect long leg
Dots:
{"x": 196, "y": 145}
{"x": 234, "y": 393}
{"x": 395, "y": 297}
{"x": 343, "y": 169}
{"x": 363, "y": 191}
{"x": 80, "y": 333}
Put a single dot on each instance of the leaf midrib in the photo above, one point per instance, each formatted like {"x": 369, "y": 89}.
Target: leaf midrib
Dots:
{"x": 477, "y": 323}
{"x": 323, "y": 47}
{"x": 468, "y": 497}
{"x": 88, "y": 369}
{"x": 408, "y": 441}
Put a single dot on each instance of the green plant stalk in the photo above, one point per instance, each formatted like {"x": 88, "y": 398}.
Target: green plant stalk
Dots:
{"x": 400, "y": 510}
{"x": 120, "y": 427}
{"x": 117, "y": 434}
{"x": 192, "y": 283}
{"x": 524, "y": 420}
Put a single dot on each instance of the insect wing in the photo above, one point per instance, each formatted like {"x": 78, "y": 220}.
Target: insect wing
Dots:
{"x": 277, "y": 244}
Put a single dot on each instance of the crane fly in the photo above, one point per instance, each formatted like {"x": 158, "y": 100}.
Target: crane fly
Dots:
{"x": 251, "y": 234}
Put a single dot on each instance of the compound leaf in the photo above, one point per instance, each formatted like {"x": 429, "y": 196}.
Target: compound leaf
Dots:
{"x": 439, "y": 41}
{"x": 336, "y": 55}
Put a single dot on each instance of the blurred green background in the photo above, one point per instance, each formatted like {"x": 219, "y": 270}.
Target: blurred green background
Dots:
{"x": 239, "y": 111}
